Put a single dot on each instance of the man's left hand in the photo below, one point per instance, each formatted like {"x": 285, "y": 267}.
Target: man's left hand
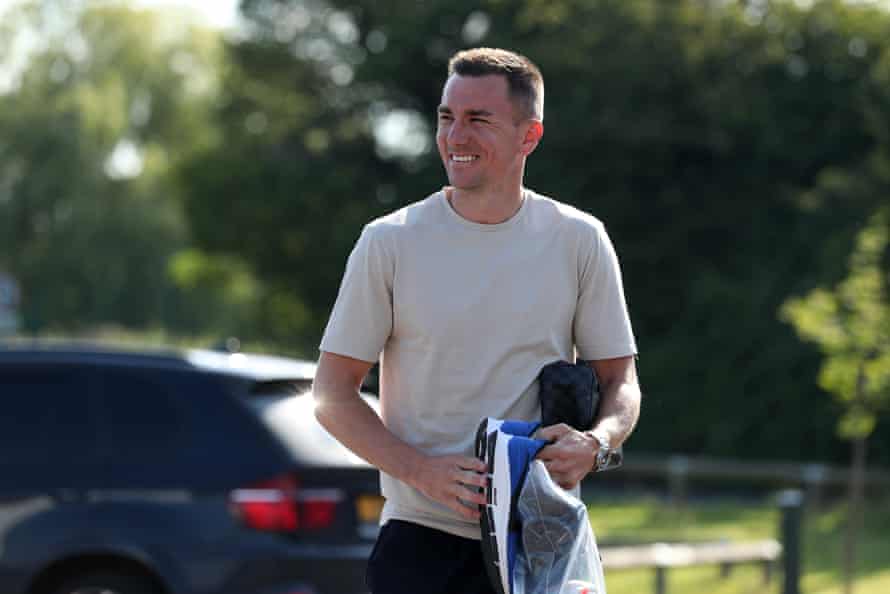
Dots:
{"x": 570, "y": 456}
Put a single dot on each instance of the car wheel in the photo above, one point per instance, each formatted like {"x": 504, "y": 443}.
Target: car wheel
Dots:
{"x": 107, "y": 583}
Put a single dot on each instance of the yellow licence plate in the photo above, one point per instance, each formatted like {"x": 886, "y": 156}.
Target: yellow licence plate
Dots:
{"x": 368, "y": 508}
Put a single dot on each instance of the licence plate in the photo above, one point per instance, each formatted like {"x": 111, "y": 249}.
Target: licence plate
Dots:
{"x": 368, "y": 509}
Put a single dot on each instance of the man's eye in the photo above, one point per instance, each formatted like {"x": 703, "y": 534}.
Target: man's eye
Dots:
{"x": 482, "y": 120}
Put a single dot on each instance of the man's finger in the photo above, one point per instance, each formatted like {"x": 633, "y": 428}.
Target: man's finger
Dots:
{"x": 475, "y": 464}
{"x": 553, "y": 432}
{"x": 472, "y": 497}
{"x": 461, "y": 489}
{"x": 469, "y": 512}
{"x": 468, "y": 477}
{"x": 467, "y": 492}
{"x": 551, "y": 452}
{"x": 556, "y": 466}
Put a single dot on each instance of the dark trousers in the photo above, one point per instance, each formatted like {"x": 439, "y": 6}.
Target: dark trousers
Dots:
{"x": 413, "y": 559}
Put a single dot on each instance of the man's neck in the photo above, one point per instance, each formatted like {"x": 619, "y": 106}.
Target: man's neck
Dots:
{"x": 488, "y": 208}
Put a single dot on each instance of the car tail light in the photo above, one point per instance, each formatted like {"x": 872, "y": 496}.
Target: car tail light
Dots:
{"x": 279, "y": 505}
{"x": 318, "y": 507}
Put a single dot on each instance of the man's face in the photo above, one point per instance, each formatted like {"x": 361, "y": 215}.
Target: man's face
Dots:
{"x": 479, "y": 139}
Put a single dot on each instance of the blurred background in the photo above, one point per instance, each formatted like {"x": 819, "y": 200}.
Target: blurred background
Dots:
{"x": 182, "y": 172}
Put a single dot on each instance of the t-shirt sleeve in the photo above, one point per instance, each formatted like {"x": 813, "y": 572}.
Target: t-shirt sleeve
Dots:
{"x": 602, "y": 326}
{"x": 361, "y": 321}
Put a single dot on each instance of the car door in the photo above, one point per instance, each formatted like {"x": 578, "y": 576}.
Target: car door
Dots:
{"x": 48, "y": 457}
{"x": 48, "y": 429}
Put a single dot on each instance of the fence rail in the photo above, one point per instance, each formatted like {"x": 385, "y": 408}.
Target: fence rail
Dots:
{"x": 678, "y": 471}
{"x": 661, "y": 557}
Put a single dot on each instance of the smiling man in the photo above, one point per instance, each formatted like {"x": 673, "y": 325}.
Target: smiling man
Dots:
{"x": 464, "y": 297}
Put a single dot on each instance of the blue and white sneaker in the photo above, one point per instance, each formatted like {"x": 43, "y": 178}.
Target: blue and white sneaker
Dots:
{"x": 490, "y": 425}
{"x": 507, "y": 456}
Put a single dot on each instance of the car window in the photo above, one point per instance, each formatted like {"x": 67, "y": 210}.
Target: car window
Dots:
{"x": 140, "y": 416}
{"x": 169, "y": 428}
{"x": 47, "y": 412}
{"x": 290, "y": 414}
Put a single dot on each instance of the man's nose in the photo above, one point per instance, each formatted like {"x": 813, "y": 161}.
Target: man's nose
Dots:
{"x": 457, "y": 133}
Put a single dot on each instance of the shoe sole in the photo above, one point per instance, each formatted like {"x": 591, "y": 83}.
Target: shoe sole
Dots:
{"x": 486, "y": 427}
{"x": 487, "y": 438}
{"x": 492, "y": 444}
{"x": 501, "y": 500}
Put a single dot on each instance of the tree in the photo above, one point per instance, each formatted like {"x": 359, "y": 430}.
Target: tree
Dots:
{"x": 295, "y": 169}
{"x": 851, "y": 325}
{"x": 702, "y": 133}
{"x": 100, "y": 112}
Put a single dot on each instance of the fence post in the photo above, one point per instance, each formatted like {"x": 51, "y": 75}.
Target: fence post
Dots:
{"x": 814, "y": 477}
{"x": 791, "y": 504}
{"x": 678, "y": 477}
{"x": 660, "y": 579}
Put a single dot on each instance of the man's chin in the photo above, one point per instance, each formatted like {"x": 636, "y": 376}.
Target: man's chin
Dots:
{"x": 464, "y": 184}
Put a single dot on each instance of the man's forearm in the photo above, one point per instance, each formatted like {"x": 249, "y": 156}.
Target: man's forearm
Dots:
{"x": 619, "y": 411}
{"x": 354, "y": 423}
{"x": 454, "y": 481}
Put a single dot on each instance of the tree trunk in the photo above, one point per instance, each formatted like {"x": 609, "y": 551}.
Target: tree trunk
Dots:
{"x": 854, "y": 512}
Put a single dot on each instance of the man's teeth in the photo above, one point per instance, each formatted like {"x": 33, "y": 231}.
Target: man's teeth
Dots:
{"x": 464, "y": 158}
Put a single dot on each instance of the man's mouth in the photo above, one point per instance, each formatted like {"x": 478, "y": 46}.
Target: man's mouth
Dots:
{"x": 463, "y": 158}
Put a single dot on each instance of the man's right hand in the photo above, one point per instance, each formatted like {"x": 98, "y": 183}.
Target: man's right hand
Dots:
{"x": 453, "y": 481}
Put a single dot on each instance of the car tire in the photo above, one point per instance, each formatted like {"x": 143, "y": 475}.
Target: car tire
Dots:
{"x": 103, "y": 582}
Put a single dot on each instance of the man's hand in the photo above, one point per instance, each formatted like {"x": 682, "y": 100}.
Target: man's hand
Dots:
{"x": 573, "y": 453}
{"x": 453, "y": 481}
{"x": 570, "y": 457}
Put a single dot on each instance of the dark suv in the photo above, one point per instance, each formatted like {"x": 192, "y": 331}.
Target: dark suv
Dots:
{"x": 176, "y": 473}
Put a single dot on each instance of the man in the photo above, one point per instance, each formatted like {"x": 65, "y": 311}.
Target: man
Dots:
{"x": 467, "y": 295}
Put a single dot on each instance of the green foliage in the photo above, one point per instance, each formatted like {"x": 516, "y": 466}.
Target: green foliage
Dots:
{"x": 733, "y": 149}
{"x": 851, "y": 325}
{"x": 102, "y": 110}
{"x": 219, "y": 292}
{"x": 295, "y": 153}
{"x": 723, "y": 143}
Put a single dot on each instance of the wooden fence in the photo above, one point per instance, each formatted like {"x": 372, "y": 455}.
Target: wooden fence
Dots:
{"x": 679, "y": 471}
{"x": 662, "y": 556}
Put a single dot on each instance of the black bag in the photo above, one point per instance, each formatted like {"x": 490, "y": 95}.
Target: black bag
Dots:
{"x": 569, "y": 394}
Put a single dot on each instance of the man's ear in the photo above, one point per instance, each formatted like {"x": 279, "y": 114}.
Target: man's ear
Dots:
{"x": 533, "y": 134}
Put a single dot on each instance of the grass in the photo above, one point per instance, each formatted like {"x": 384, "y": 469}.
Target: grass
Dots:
{"x": 649, "y": 520}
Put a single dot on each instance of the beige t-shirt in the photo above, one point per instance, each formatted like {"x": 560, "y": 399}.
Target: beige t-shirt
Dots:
{"x": 465, "y": 315}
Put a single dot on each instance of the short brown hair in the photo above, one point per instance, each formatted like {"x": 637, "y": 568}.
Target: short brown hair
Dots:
{"x": 524, "y": 80}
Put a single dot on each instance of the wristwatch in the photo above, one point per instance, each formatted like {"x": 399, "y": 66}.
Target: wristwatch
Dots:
{"x": 606, "y": 457}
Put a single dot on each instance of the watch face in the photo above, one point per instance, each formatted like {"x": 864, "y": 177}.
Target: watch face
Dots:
{"x": 602, "y": 458}
{"x": 610, "y": 459}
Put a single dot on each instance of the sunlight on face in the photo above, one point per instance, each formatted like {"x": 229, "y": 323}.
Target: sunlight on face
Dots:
{"x": 477, "y": 135}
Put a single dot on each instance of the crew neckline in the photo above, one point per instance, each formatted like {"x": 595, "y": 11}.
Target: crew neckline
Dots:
{"x": 486, "y": 227}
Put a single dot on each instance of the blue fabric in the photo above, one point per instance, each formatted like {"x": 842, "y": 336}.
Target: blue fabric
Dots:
{"x": 521, "y": 428}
